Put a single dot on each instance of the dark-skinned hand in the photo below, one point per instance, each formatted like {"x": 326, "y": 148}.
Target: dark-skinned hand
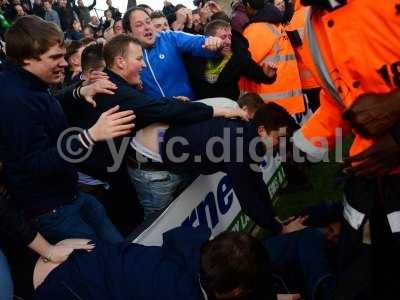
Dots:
{"x": 372, "y": 115}
{"x": 377, "y": 160}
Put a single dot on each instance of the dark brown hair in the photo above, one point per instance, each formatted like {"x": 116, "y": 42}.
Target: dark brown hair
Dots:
{"x": 117, "y": 46}
{"x": 87, "y": 40}
{"x": 234, "y": 260}
{"x": 125, "y": 20}
{"x": 157, "y": 15}
{"x": 273, "y": 117}
{"x": 72, "y": 48}
{"x": 220, "y": 15}
{"x": 212, "y": 27}
{"x": 92, "y": 57}
{"x": 251, "y": 100}
{"x": 30, "y": 37}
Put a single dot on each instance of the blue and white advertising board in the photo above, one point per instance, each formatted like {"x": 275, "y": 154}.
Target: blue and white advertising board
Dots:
{"x": 210, "y": 200}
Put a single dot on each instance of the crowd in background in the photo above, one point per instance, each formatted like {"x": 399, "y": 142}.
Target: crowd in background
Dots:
{"x": 121, "y": 75}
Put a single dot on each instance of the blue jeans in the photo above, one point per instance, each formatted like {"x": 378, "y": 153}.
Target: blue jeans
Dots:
{"x": 156, "y": 189}
{"x": 301, "y": 257}
{"x": 6, "y": 284}
{"x": 84, "y": 218}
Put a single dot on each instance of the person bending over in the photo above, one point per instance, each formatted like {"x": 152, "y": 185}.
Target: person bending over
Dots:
{"x": 192, "y": 149}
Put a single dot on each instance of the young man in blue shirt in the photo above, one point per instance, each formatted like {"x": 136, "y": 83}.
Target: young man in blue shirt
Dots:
{"x": 165, "y": 74}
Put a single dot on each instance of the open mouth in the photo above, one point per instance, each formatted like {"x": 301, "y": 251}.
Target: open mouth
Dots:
{"x": 59, "y": 73}
{"x": 148, "y": 35}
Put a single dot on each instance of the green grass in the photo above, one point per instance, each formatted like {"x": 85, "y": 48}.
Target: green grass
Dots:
{"x": 322, "y": 177}
{"x": 324, "y": 187}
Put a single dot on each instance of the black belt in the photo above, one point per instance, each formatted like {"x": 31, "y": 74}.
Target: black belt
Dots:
{"x": 149, "y": 165}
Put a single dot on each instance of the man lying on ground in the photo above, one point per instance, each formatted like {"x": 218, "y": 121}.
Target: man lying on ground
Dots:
{"x": 188, "y": 266}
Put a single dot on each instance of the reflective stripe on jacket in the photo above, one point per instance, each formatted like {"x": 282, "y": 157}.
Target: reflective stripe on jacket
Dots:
{"x": 270, "y": 43}
{"x": 355, "y": 50}
{"x": 297, "y": 24}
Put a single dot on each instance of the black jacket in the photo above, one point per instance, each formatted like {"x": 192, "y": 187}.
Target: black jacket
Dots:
{"x": 31, "y": 126}
{"x": 38, "y": 10}
{"x": 83, "y": 12}
{"x": 66, "y": 15}
{"x": 227, "y": 85}
{"x": 147, "y": 110}
{"x": 132, "y": 271}
{"x": 116, "y": 15}
{"x": 12, "y": 223}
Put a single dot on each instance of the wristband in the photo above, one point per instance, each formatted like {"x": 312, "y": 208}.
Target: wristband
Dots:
{"x": 91, "y": 139}
{"x": 75, "y": 93}
{"x": 78, "y": 92}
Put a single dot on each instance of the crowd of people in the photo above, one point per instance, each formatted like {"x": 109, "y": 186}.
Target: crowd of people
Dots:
{"x": 105, "y": 121}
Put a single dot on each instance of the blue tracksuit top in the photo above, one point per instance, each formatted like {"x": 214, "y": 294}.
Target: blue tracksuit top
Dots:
{"x": 165, "y": 74}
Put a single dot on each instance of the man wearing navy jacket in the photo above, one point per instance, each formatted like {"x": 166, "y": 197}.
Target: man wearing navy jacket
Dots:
{"x": 124, "y": 60}
{"x": 187, "y": 266}
{"x": 32, "y": 127}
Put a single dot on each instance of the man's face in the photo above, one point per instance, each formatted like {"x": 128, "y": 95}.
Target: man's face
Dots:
{"x": 77, "y": 26}
{"x": 118, "y": 28}
{"x": 62, "y": 3}
{"x": 160, "y": 24}
{"x": 109, "y": 3}
{"x": 142, "y": 28}
{"x": 108, "y": 15}
{"x": 19, "y": 10}
{"x": 75, "y": 59}
{"x": 133, "y": 64}
{"x": 94, "y": 20}
{"x": 47, "y": 6}
{"x": 280, "y": 4}
{"x": 250, "y": 112}
{"x": 197, "y": 22}
{"x": 80, "y": 3}
{"x": 273, "y": 137}
{"x": 225, "y": 35}
{"x": 50, "y": 65}
{"x": 87, "y": 32}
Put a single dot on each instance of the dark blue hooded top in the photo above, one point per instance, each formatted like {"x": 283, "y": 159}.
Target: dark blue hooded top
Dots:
{"x": 132, "y": 271}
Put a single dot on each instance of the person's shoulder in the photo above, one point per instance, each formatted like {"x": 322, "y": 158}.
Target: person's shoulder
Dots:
{"x": 174, "y": 35}
{"x": 255, "y": 26}
{"x": 165, "y": 38}
{"x": 12, "y": 86}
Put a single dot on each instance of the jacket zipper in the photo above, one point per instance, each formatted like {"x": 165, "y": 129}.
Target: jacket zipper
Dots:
{"x": 152, "y": 73}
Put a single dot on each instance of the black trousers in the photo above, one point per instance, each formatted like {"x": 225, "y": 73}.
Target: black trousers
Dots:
{"x": 370, "y": 272}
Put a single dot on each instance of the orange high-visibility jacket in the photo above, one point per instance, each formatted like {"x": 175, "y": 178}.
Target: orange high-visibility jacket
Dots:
{"x": 270, "y": 43}
{"x": 297, "y": 23}
{"x": 355, "y": 50}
